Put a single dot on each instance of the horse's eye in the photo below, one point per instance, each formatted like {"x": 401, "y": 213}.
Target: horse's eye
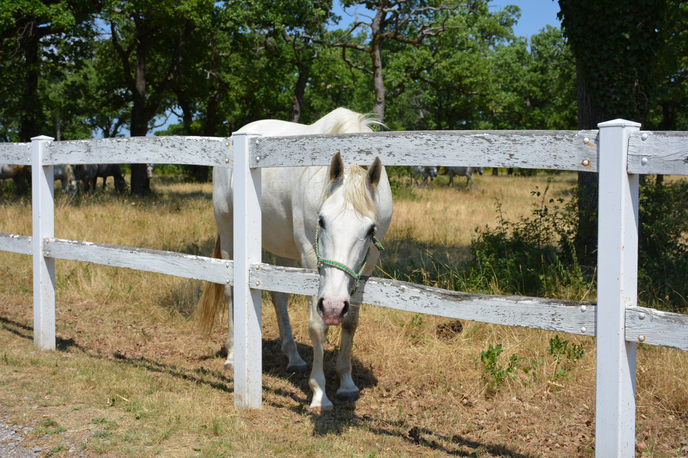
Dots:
{"x": 321, "y": 222}
{"x": 371, "y": 231}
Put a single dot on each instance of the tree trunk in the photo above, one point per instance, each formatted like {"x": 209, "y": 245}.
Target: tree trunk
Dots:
{"x": 32, "y": 108}
{"x": 376, "y": 56}
{"x": 201, "y": 172}
{"x": 588, "y": 182}
{"x": 140, "y": 183}
{"x": 299, "y": 91}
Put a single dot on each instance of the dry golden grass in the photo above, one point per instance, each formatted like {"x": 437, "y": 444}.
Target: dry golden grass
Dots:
{"x": 132, "y": 377}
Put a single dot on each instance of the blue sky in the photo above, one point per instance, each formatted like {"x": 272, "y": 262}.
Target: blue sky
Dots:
{"x": 535, "y": 14}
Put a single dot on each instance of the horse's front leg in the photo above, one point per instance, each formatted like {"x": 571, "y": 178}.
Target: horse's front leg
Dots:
{"x": 281, "y": 301}
{"x": 348, "y": 391}
{"x": 318, "y": 333}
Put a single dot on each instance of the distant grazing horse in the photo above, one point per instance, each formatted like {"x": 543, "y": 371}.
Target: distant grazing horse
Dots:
{"x": 18, "y": 173}
{"x": 425, "y": 172}
{"x": 89, "y": 173}
{"x": 463, "y": 171}
{"x": 326, "y": 217}
{"x": 114, "y": 171}
{"x": 65, "y": 174}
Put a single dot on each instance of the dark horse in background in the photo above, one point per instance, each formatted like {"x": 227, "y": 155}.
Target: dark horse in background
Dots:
{"x": 89, "y": 174}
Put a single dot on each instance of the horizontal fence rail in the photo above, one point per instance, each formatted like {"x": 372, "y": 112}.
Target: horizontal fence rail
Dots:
{"x": 529, "y": 312}
{"x": 539, "y": 149}
{"x": 16, "y": 243}
{"x": 163, "y": 262}
{"x": 654, "y": 327}
{"x": 211, "y": 151}
{"x": 15, "y": 153}
{"x": 664, "y": 153}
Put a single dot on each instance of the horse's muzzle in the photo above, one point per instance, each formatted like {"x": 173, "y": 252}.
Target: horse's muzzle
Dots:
{"x": 332, "y": 312}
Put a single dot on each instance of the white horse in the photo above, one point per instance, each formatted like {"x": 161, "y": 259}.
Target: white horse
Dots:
{"x": 425, "y": 172}
{"x": 463, "y": 171}
{"x": 342, "y": 208}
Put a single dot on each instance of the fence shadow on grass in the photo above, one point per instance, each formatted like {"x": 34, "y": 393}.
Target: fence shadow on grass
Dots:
{"x": 274, "y": 364}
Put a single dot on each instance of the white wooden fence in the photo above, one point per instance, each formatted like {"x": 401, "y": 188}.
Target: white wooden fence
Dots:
{"x": 618, "y": 151}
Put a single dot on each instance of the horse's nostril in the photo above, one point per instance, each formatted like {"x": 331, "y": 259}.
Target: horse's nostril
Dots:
{"x": 321, "y": 306}
{"x": 345, "y": 309}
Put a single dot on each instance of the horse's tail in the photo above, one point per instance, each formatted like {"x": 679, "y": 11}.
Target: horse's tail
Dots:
{"x": 212, "y": 299}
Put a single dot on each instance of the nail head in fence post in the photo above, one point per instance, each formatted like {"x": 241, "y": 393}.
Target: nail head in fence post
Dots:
{"x": 584, "y": 329}
{"x": 643, "y": 137}
{"x": 641, "y": 338}
{"x": 643, "y": 161}
{"x": 43, "y": 209}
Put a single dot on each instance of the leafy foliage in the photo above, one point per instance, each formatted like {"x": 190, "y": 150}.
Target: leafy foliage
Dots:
{"x": 533, "y": 256}
{"x": 663, "y": 250}
{"x": 566, "y": 356}
{"x": 616, "y": 45}
{"x": 494, "y": 374}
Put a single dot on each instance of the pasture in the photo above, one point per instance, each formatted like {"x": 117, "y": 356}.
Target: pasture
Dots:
{"x": 133, "y": 377}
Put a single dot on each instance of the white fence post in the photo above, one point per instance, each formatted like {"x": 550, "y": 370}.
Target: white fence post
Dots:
{"x": 248, "y": 364}
{"x": 43, "y": 205}
{"x": 617, "y": 289}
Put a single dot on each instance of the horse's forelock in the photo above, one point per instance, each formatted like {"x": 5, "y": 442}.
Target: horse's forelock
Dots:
{"x": 356, "y": 191}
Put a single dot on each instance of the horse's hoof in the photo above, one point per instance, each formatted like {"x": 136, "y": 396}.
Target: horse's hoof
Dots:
{"x": 322, "y": 410}
{"x": 229, "y": 366}
{"x": 298, "y": 369}
{"x": 350, "y": 396}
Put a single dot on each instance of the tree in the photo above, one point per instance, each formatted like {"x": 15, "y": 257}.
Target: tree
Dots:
{"x": 30, "y": 31}
{"x": 616, "y": 77}
{"x": 403, "y": 21}
{"x": 443, "y": 84}
{"x": 147, "y": 40}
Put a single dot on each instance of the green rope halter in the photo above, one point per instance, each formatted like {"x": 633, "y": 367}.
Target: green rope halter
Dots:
{"x": 338, "y": 265}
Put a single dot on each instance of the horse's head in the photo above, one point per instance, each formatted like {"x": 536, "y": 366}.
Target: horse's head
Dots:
{"x": 120, "y": 183}
{"x": 72, "y": 185}
{"x": 431, "y": 171}
{"x": 347, "y": 223}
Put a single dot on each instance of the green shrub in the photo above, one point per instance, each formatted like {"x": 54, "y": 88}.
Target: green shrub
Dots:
{"x": 663, "y": 253}
{"x": 533, "y": 256}
{"x": 494, "y": 374}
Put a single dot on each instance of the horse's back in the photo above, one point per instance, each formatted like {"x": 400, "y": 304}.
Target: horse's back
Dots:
{"x": 275, "y": 128}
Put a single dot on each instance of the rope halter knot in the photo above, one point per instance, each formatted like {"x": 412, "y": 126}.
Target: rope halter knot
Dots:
{"x": 338, "y": 265}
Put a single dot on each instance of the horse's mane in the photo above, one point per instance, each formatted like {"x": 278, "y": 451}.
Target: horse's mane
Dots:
{"x": 356, "y": 191}
{"x": 344, "y": 121}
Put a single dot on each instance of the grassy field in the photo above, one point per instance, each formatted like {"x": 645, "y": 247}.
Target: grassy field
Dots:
{"x": 132, "y": 376}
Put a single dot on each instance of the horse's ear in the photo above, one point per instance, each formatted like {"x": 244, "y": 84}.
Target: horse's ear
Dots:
{"x": 336, "y": 168}
{"x": 374, "y": 173}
